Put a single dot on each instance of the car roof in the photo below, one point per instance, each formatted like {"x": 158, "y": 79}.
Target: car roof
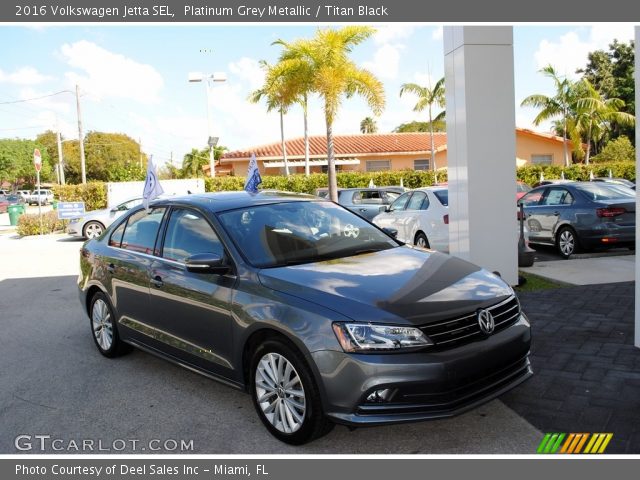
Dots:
{"x": 221, "y": 201}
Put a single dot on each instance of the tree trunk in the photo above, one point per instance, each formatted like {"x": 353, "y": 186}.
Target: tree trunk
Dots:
{"x": 433, "y": 157}
{"x": 306, "y": 138}
{"x": 331, "y": 164}
{"x": 284, "y": 145}
{"x": 564, "y": 143}
{"x": 587, "y": 155}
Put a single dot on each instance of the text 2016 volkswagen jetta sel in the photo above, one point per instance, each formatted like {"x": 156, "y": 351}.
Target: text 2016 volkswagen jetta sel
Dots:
{"x": 319, "y": 315}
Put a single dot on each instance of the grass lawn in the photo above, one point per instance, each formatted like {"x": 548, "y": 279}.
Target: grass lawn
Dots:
{"x": 534, "y": 282}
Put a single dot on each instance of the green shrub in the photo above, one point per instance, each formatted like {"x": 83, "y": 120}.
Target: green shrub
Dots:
{"x": 93, "y": 194}
{"x": 29, "y": 224}
{"x": 618, "y": 150}
{"x": 302, "y": 184}
{"x": 531, "y": 173}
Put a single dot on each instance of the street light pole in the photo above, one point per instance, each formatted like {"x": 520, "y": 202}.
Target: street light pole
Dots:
{"x": 209, "y": 79}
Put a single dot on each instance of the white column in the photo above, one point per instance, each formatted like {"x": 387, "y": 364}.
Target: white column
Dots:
{"x": 481, "y": 151}
{"x": 637, "y": 74}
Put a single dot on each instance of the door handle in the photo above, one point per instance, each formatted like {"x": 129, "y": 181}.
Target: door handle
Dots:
{"x": 557, "y": 214}
{"x": 111, "y": 268}
{"x": 157, "y": 281}
{"x": 363, "y": 209}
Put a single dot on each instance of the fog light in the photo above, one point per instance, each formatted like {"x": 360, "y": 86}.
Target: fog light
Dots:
{"x": 380, "y": 396}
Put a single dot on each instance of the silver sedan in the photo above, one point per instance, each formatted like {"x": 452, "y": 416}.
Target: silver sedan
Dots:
{"x": 93, "y": 223}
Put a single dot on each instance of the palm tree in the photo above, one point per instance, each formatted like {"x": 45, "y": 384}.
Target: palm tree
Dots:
{"x": 560, "y": 105}
{"x": 278, "y": 97}
{"x": 194, "y": 161}
{"x": 335, "y": 76}
{"x": 594, "y": 114}
{"x": 368, "y": 125}
{"x": 427, "y": 98}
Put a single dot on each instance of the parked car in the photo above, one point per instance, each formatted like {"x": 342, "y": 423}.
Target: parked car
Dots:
{"x": 4, "y": 203}
{"x": 366, "y": 202}
{"x": 41, "y": 197}
{"x": 4, "y": 192}
{"x": 616, "y": 181}
{"x": 24, "y": 194}
{"x": 521, "y": 189}
{"x": 580, "y": 215}
{"x": 316, "y": 313}
{"x": 421, "y": 218}
{"x": 14, "y": 199}
{"x": 93, "y": 223}
{"x": 554, "y": 181}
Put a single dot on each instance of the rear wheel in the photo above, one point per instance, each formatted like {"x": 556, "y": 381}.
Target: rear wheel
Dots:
{"x": 566, "y": 242}
{"x": 285, "y": 395}
{"x": 103, "y": 327}
{"x": 421, "y": 240}
{"x": 93, "y": 229}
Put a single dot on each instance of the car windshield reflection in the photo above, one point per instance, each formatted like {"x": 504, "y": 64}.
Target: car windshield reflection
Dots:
{"x": 301, "y": 232}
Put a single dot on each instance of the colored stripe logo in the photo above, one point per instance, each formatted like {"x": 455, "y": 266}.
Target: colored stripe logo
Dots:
{"x": 592, "y": 443}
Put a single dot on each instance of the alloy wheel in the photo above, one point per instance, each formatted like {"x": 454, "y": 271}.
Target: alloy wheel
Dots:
{"x": 102, "y": 324}
{"x": 280, "y": 393}
{"x": 93, "y": 230}
{"x": 567, "y": 242}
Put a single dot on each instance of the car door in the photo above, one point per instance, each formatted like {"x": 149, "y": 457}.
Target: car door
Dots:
{"x": 414, "y": 216}
{"x": 555, "y": 206}
{"x": 191, "y": 313}
{"x": 532, "y": 212}
{"x": 128, "y": 265}
{"x": 367, "y": 203}
{"x": 394, "y": 217}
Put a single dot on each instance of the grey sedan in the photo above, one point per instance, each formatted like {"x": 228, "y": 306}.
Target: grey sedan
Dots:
{"x": 580, "y": 215}
{"x": 319, "y": 315}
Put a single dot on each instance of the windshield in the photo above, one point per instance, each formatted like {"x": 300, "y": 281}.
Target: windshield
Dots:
{"x": 602, "y": 191}
{"x": 301, "y": 232}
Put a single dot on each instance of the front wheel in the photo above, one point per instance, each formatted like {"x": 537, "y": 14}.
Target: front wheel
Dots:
{"x": 421, "y": 240}
{"x": 566, "y": 242}
{"x": 285, "y": 395}
{"x": 93, "y": 230}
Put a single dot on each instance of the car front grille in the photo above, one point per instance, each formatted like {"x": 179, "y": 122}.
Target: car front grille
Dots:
{"x": 464, "y": 329}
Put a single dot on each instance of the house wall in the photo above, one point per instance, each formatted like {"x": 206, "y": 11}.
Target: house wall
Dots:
{"x": 528, "y": 145}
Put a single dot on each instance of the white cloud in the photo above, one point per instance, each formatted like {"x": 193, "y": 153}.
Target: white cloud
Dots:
{"x": 386, "y": 61}
{"x": 249, "y": 70}
{"x": 570, "y": 52}
{"x": 437, "y": 33}
{"x": 392, "y": 33}
{"x": 108, "y": 74}
{"x": 24, "y": 76}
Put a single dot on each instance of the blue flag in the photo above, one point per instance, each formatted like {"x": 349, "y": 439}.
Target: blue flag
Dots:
{"x": 253, "y": 176}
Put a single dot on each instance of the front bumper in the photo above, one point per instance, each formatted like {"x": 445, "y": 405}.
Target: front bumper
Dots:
{"x": 424, "y": 385}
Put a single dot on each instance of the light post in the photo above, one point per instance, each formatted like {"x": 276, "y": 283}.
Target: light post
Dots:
{"x": 209, "y": 79}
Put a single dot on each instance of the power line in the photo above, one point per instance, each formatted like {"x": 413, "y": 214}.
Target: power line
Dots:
{"x": 36, "y": 98}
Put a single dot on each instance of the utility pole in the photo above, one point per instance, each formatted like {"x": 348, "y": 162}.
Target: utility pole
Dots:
{"x": 83, "y": 168}
{"x": 60, "y": 159}
{"x": 140, "y": 152}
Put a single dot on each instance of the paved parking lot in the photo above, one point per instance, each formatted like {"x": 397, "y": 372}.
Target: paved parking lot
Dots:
{"x": 54, "y": 382}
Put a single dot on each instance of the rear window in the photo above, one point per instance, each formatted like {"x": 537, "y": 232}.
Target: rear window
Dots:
{"x": 601, "y": 191}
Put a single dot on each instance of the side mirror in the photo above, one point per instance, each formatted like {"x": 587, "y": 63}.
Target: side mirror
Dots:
{"x": 392, "y": 232}
{"x": 206, "y": 263}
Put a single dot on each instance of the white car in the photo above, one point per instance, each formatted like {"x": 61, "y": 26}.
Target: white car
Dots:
{"x": 93, "y": 223}
{"x": 24, "y": 194}
{"x": 421, "y": 218}
{"x": 42, "y": 197}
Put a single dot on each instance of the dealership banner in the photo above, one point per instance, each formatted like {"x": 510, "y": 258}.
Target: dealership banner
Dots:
{"x": 255, "y": 11}
{"x": 314, "y": 468}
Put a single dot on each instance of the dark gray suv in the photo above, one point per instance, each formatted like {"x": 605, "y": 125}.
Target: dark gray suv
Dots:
{"x": 322, "y": 317}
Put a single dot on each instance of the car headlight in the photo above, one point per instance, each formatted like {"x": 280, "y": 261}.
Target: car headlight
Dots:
{"x": 366, "y": 337}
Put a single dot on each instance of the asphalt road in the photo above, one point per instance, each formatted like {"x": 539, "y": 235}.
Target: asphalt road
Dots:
{"x": 54, "y": 382}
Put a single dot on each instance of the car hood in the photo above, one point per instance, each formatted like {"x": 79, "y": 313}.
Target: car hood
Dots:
{"x": 401, "y": 284}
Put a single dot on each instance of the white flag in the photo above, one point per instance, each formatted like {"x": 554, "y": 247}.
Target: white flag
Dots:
{"x": 152, "y": 187}
{"x": 253, "y": 176}
{"x": 591, "y": 176}
{"x": 371, "y": 184}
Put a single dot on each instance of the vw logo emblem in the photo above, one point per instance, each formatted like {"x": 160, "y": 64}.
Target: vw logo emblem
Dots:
{"x": 486, "y": 322}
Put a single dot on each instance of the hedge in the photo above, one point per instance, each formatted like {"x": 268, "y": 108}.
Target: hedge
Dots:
{"x": 93, "y": 194}
{"x": 29, "y": 224}
{"x": 531, "y": 173}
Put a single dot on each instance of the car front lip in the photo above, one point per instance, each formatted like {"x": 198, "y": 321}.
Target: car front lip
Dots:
{"x": 427, "y": 385}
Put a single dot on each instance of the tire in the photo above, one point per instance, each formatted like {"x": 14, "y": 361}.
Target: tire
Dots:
{"x": 421, "y": 240}
{"x": 566, "y": 242}
{"x": 290, "y": 423}
{"x": 92, "y": 229}
{"x": 103, "y": 327}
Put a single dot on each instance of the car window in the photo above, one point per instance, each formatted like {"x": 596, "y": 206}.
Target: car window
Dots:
{"x": 115, "y": 240}
{"x": 188, "y": 233}
{"x": 141, "y": 231}
{"x": 368, "y": 197}
{"x": 300, "y": 232}
{"x": 557, "y": 196}
{"x": 401, "y": 201}
{"x": 416, "y": 201}
{"x": 532, "y": 198}
{"x": 391, "y": 196}
{"x": 443, "y": 197}
{"x": 603, "y": 191}
{"x": 128, "y": 205}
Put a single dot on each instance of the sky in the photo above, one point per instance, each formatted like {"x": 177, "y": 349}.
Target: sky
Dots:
{"x": 133, "y": 79}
